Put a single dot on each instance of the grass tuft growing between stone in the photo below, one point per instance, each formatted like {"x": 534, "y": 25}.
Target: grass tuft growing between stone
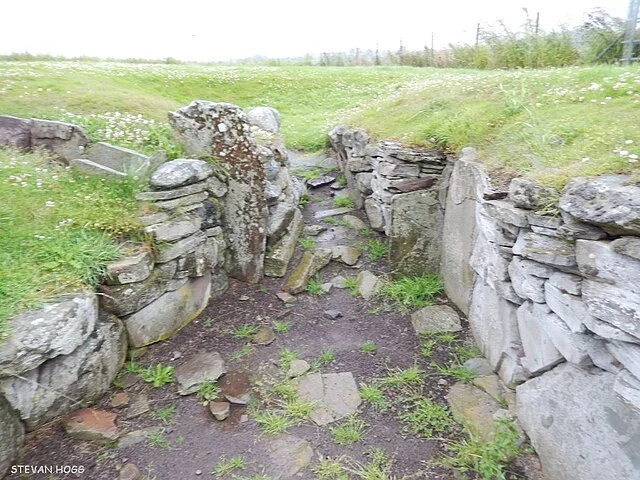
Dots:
{"x": 413, "y": 292}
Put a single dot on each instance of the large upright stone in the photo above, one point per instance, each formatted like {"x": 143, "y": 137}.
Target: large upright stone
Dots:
{"x": 222, "y": 130}
{"x": 610, "y": 201}
{"x": 578, "y": 427}
{"x": 11, "y": 435}
{"x": 57, "y": 328}
{"x": 60, "y": 385}
{"x": 495, "y": 328}
{"x": 415, "y": 232}
{"x": 279, "y": 254}
{"x": 459, "y": 232}
{"x": 15, "y": 132}
{"x": 64, "y": 140}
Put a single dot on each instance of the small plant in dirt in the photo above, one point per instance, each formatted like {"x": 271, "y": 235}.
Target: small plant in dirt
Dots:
{"x": 341, "y": 180}
{"x": 285, "y": 357}
{"x": 165, "y": 414}
{"x": 281, "y": 326}
{"x": 373, "y": 395}
{"x": 307, "y": 243}
{"x": 343, "y": 201}
{"x": 245, "y": 331}
{"x": 239, "y": 354}
{"x": 326, "y": 357}
{"x": 366, "y": 232}
{"x": 208, "y": 391}
{"x": 369, "y": 347}
{"x": 158, "y": 439}
{"x": 424, "y": 418}
{"x": 455, "y": 371}
{"x": 208, "y": 323}
{"x": 309, "y": 174}
{"x": 272, "y": 422}
{"x": 304, "y": 199}
{"x": 284, "y": 389}
{"x": 226, "y": 466}
{"x": 158, "y": 375}
{"x": 328, "y": 469}
{"x": 413, "y": 292}
{"x": 430, "y": 341}
{"x": 486, "y": 458}
{"x": 349, "y": 431}
{"x": 376, "y": 249}
{"x": 298, "y": 410}
{"x": 351, "y": 284}
{"x": 315, "y": 287}
{"x": 400, "y": 378}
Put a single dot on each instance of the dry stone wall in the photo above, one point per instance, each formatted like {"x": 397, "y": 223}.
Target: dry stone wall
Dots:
{"x": 400, "y": 190}
{"x": 208, "y": 220}
{"x": 550, "y": 282}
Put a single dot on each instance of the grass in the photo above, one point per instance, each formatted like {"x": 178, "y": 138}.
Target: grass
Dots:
{"x": 165, "y": 414}
{"x": 314, "y": 286}
{"x": 369, "y": 347}
{"x": 373, "y": 395}
{"x": 208, "y": 391}
{"x": 343, "y": 201}
{"x": 58, "y": 230}
{"x": 486, "y": 458}
{"x": 281, "y": 326}
{"x": 307, "y": 243}
{"x": 226, "y": 466}
{"x": 413, "y": 292}
{"x": 376, "y": 249}
{"x": 424, "y": 418}
{"x": 349, "y": 431}
{"x": 245, "y": 351}
{"x": 245, "y": 331}
{"x": 158, "y": 439}
{"x": 400, "y": 378}
{"x": 285, "y": 357}
{"x": 157, "y": 375}
{"x": 272, "y": 422}
{"x": 351, "y": 284}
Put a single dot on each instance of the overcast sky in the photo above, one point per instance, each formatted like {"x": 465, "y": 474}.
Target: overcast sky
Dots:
{"x": 217, "y": 30}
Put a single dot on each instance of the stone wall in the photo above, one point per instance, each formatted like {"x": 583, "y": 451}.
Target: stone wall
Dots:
{"x": 550, "y": 282}
{"x": 400, "y": 189}
{"x": 209, "y": 219}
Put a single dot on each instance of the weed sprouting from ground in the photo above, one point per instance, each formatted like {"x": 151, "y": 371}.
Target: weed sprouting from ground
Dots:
{"x": 424, "y": 418}
{"x": 245, "y": 331}
{"x": 281, "y": 326}
{"x": 376, "y": 249}
{"x": 343, "y": 201}
{"x": 369, "y": 347}
{"x": 487, "y": 458}
{"x": 158, "y": 375}
{"x": 351, "y": 284}
{"x": 349, "y": 431}
{"x": 373, "y": 395}
{"x": 226, "y": 466}
{"x": 286, "y": 356}
{"x": 315, "y": 286}
{"x": 307, "y": 243}
{"x": 413, "y": 292}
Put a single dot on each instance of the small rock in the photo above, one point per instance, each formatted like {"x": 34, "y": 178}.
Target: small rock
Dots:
{"x": 198, "y": 472}
{"x": 298, "y": 368}
{"x": 314, "y": 230}
{"x": 235, "y": 387}
{"x": 176, "y": 355}
{"x": 180, "y": 172}
{"x": 203, "y": 367}
{"x": 339, "y": 281}
{"x": 354, "y": 222}
{"x": 345, "y": 254}
{"x": 332, "y": 314}
{"x": 332, "y": 212}
{"x": 244, "y": 298}
{"x": 130, "y": 472}
{"x": 336, "y": 186}
{"x": 136, "y": 437}
{"x": 480, "y": 366}
{"x": 264, "y": 336}
{"x": 326, "y": 287}
{"x": 129, "y": 380}
{"x": 287, "y": 455}
{"x": 443, "y": 382}
{"x": 436, "y": 318}
{"x": 138, "y": 405}
{"x": 120, "y": 399}
{"x": 318, "y": 182}
{"x": 91, "y": 424}
{"x": 244, "y": 418}
{"x": 220, "y": 410}
{"x": 286, "y": 297}
{"x": 335, "y": 396}
{"x": 368, "y": 284}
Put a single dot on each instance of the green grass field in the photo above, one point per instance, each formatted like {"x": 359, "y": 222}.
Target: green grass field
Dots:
{"x": 549, "y": 125}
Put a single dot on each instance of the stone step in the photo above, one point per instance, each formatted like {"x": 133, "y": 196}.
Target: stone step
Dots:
{"x": 93, "y": 168}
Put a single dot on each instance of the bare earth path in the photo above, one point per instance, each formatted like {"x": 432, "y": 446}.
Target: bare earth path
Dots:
{"x": 178, "y": 437}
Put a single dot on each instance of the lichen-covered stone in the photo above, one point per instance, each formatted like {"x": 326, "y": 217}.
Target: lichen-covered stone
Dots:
{"x": 616, "y": 306}
{"x": 130, "y": 269}
{"x": 545, "y": 249}
{"x": 223, "y": 130}
{"x": 59, "y": 385}
{"x": 170, "y": 251}
{"x": 540, "y": 351}
{"x": 175, "y": 229}
{"x": 609, "y": 201}
{"x": 526, "y": 194}
{"x": 15, "y": 132}
{"x": 11, "y": 435}
{"x": 179, "y": 173}
{"x": 174, "y": 193}
{"x": 279, "y": 254}
{"x": 310, "y": 263}
{"x": 528, "y": 278}
{"x": 55, "y": 329}
{"x": 415, "y": 232}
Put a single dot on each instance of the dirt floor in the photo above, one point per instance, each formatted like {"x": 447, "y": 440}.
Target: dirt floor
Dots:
{"x": 189, "y": 443}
